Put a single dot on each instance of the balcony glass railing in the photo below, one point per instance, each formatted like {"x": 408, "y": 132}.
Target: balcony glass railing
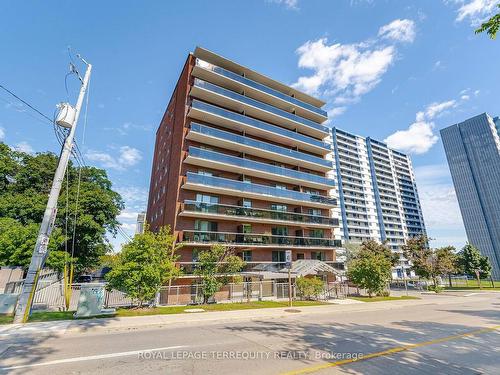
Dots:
{"x": 249, "y": 121}
{"x": 259, "y": 86}
{"x": 257, "y": 239}
{"x": 255, "y": 103}
{"x": 242, "y": 140}
{"x": 257, "y": 166}
{"x": 264, "y": 190}
{"x": 245, "y": 212}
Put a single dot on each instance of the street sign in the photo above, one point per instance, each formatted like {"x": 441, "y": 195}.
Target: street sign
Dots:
{"x": 288, "y": 258}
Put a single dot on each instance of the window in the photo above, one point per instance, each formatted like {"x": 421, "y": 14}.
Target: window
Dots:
{"x": 204, "y": 198}
{"x": 195, "y": 255}
{"x": 279, "y": 207}
{"x": 300, "y": 256}
{"x": 247, "y": 255}
{"x": 317, "y": 233}
{"x": 205, "y": 173}
{"x": 281, "y": 187}
{"x": 315, "y": 212}
{"x": 278, "y": 256}
{"x": 205, "y": 226}
{"x": 247, "y": 203}
{"x": 246, "y": 228}
{"x": 247, "y": 179}
{"x": 279, "y": 231}
{"x": 319, "y": 255}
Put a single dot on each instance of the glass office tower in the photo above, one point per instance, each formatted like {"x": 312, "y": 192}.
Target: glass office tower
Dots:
{"x": 473, "y": 152}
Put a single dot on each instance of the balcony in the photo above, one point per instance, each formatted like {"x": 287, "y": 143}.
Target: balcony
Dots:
{"x": 236, "y": 121}
{"x": 237, "y": 82}
{"x": 220, "y": 161}
{"x": 220, "y": 138}
{"x": 236, "y": 102}
{"x": 254, "y": 215}
{"x": 226, "y": 186}
{"x": 192, "y": 237}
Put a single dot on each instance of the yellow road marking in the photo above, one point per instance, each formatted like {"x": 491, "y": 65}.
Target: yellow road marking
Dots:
{"x": 397, "y": 349}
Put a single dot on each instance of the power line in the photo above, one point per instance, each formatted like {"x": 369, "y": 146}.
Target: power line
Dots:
{"x": 26, "y": 103}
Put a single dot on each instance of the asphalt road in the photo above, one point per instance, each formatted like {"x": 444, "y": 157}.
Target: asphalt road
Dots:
{"x": 440, "y": 335}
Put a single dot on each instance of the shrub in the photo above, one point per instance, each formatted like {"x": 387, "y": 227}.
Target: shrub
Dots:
{"x": 309, "y": 288}
{"x": 384, "y": 293}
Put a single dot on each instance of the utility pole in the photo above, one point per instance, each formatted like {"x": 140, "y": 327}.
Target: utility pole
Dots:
{"x": 41, "y": 252}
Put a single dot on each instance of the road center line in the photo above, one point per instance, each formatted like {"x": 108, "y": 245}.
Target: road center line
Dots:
{"x": 397, "y": 349}
{"x": 92, "y": 357}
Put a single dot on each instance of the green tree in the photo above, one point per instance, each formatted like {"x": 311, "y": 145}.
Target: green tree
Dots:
{"x": 309, "y": 287}
{"x": 144, "y": 265}
{"x": 370, "y": 267}
{"x": 215, "y": 268}
{"x": 491, "y": 26}
{"x": 430, "y": 263}
{"x": 472, "y": 263}
{"x": 17, "y": 243}
{"x": 25, "y": 182}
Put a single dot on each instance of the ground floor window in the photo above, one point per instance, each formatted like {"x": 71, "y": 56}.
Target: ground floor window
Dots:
{"x": 247, "y": 255}
{"x": 278, "y": 256}
{"x": 318, "y": 255}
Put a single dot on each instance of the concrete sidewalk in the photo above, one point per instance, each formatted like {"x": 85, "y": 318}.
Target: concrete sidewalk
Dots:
{"x": 141, "y": 322}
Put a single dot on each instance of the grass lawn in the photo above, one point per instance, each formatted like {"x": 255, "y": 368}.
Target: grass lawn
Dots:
{"x": 46, "y": 316}
{"x": 6, "y": 319}
{"x": 379, "y": 299}
{"x": 471, "y": 284}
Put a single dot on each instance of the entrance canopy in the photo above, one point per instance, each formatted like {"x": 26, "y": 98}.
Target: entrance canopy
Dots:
{"x": 302, "y": 267}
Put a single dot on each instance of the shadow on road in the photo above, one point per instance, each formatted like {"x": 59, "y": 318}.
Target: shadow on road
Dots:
{"x": 26, "y": 345}
{"x": 343, "y": 339}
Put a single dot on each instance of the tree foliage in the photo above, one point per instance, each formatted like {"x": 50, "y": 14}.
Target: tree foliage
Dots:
{"x": 472, "y": 263}
{"x": 430, "y": 263}
{"x": 144, "y": 265}
{"x": 491, "y": 26}
{"x": 370, "y": 267}
{"x": 215, "y": 267}
{"x": 25, "y": 182}
{"x": 17, "y": 243}
{"x": 309, "y": 287}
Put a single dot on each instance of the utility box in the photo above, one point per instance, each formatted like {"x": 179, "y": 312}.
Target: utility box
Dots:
{"x": 66, "y": 115}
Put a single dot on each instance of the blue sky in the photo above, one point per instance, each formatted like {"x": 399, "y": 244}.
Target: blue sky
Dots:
{"x": 394, "y": 70}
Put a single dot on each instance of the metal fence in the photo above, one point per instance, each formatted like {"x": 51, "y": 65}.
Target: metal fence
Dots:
{"x": 51, "y": 295}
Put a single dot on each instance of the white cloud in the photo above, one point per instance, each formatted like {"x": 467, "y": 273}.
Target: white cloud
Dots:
{"x": 345, "y": 72}
{"x": 24, "y": 147}
{"x": 400, "y": 30}
{"x": 135, "y": 197}
{"x": 128, "y": 215}
{"x": 420, "y": 137}
{"x": 476, "y": 11}
{"x": 435, "y": 109}
{"x": 337, "y": 111}
{"x": 347, "y": 69}
{"x": 465, "y": 97}
{"x": 290, "y": 4}
{"x": 128, "y": 157}
{"x": 417, "y": 139}
{"x": 2, "y": 133}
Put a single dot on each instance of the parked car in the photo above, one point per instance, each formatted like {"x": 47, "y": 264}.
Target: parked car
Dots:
{"x": 84, "y": 279}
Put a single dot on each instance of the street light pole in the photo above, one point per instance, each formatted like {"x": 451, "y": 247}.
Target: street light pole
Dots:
{"x": 41, "y": 252}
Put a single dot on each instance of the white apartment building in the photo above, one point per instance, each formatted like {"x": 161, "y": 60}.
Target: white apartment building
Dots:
{"x": 377, "y": 193}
